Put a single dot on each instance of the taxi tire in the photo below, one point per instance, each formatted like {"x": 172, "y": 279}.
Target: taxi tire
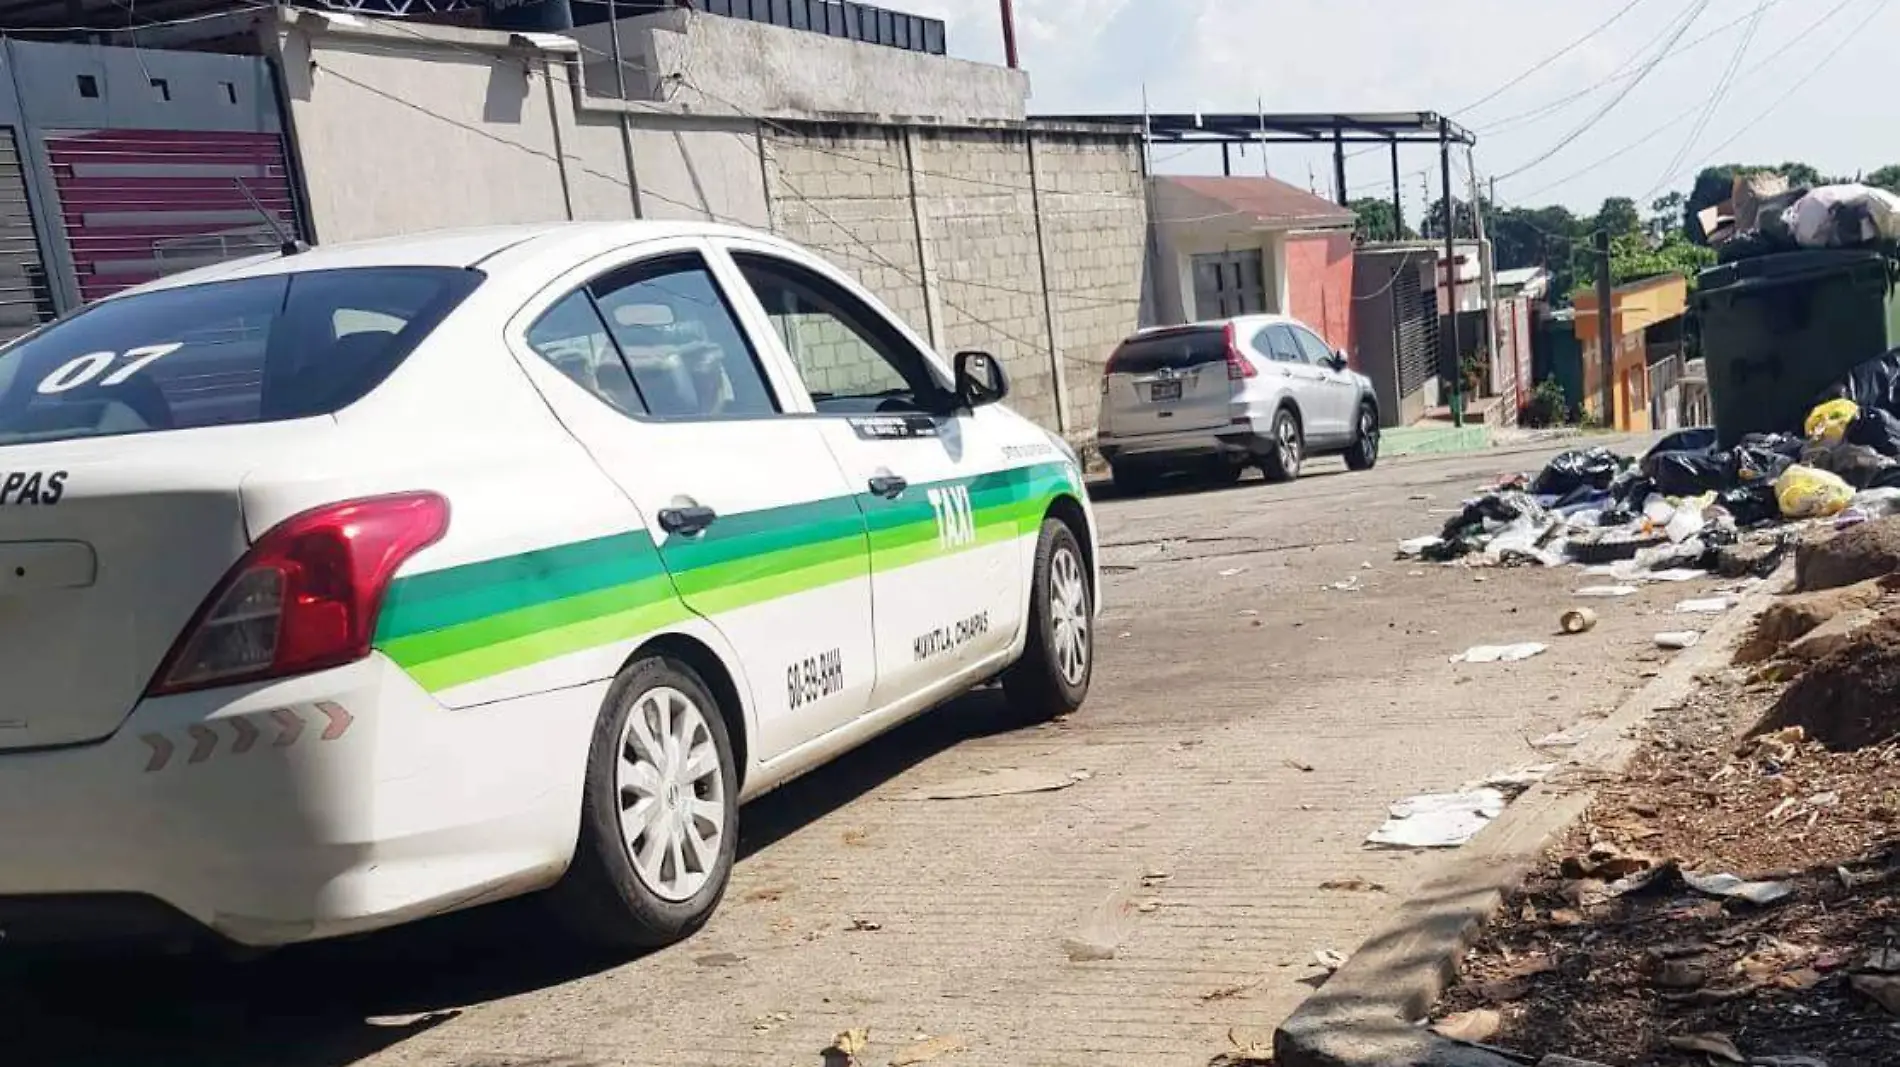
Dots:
{"x": 600, "y": 901}
{"x": 1035, "y": 687}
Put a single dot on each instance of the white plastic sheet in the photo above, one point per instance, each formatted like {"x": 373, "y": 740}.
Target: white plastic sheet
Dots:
{"x": 1439, "y": 820}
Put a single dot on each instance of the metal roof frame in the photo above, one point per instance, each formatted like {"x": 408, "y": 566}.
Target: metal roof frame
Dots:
{"x": 1386, "y": 127}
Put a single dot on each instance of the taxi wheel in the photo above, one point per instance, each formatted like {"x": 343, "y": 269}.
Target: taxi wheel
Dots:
{"x": 1052, "y": 678}
{"x": 659, "y": 816}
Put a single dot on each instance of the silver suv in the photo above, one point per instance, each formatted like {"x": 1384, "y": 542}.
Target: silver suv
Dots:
{"x": 1214, "y": 398}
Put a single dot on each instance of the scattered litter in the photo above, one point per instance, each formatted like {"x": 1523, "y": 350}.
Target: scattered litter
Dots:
{"x": 865, "y": 926}
{"x": 1705, "y": 606}
{"x": 1607, "y": 591}
{"x": 927, "y": 1050}
{"x": 1717, "y": 1045}
{"x": 1674, "y": 574}
{"x": 1514, "y": 781}
{"x": 1249, "y": 613}
{"x": 1232, "y": 571}
{"x": 1577, "y": 620}
{"x": 719, "y": 959}
{"x": 1678, "y": 640}
{"x": 1228, "y": 992}
{"x": 1570, "y": 738}
{"x": 1352, "y": 885}
{"x": 1730, "y": 887}
{"x": 1476, "y": 1026}
{"x": 1852, "y": 880}
{"x": 1499, "y": 653}
{"x": 1882, "y": 961}
{"x": 1349, "y": 585}
{"x": 1299, "y": 765}
{"x": 1329, "y": 959}
{"x": 1010, "y": 782}
{"x": 847, "y": 1046}
{"x": 1245, "y": 1051}
{"x": 1439, "y": 820}
{"x": 1415, "y": 547}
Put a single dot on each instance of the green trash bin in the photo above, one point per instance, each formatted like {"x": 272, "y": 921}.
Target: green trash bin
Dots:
{"x": 1778, "y": 330}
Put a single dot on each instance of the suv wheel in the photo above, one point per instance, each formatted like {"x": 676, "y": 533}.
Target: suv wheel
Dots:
{"x": 1365, "y": 446}
{"x": 1286, "y": 450}
{"x": 1053, "y": 676}
{"x": 1131, "y": 479}
{"x": 659, "y": 814}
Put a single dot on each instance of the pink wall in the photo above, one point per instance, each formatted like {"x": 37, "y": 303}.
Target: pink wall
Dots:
{"x": 1319, "y": 285}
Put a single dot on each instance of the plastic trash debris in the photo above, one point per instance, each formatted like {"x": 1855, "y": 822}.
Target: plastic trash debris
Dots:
{"x": 1594, "y": 467}
{"x": 1010, "y": 782}
{"x": 1806, "y": 493}
{"x": 1245, "y": 1051}
{"x": 1439, "y": 820}
{"x": 1730, "y": 887}
{"x": 1714, "y": 605}
{"x": 1673, "y": 574}
{"x": 1577, "y": 620}
{"x": 1512, "y": 782}
{"x": 926, "y": 1050}
{"x": 1607, "y": 591}
{"x": 1685, "y": 523}
{"x": 1677, "y": 640}
{"x": 848, "y": 1044}
{"x": 1877, "y": 503}
{"x": 1499, "y": 653}
{"x": 1569, "y": 738}
{"x": 1883, "y": 990}
{"x": 1329, "y": 959}
{"x": 1827, "y": 423}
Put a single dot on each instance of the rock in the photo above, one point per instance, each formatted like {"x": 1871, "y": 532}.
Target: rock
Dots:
{"x": 1791, "y": 618}
{"x": 1869, "y": 550}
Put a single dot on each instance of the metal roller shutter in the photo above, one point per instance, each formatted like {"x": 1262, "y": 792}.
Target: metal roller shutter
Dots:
{"x": 26, "y": 298}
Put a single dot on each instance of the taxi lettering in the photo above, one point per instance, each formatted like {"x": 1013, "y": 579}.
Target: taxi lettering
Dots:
{"x": 32, "y": 488}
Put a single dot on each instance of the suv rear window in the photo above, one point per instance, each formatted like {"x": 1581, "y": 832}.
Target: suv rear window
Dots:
{"x": 284, "y": 346}
{"x": 1176, "y": 350}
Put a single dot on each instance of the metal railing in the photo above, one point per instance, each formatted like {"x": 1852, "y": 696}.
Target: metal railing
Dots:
{"x": 837, "y": 18}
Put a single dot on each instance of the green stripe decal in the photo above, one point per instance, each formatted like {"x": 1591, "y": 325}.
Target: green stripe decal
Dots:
{"x": 466, "y": 623}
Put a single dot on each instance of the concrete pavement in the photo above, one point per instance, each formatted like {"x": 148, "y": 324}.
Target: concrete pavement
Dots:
{"x": 1136, "y": 917}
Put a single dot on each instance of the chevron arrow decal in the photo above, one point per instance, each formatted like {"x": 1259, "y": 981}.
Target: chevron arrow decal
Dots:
{"x": 204, "y": 741}
{"x": 161, "y": 752}
{"x": 246, "y": 735}
{"x": 289, "y": 726}
{"x": 340, "y": 720}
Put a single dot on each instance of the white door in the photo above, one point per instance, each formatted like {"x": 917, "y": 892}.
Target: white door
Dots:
{"x": 945, "y": 513}
{"x": 1340, "y": 390}
{"x": 644, "y": 359}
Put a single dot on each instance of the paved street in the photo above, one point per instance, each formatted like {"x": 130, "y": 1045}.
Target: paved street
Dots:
{"x": 1247, "y": 728}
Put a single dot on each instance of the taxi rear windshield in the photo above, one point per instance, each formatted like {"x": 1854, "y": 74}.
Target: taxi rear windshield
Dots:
{"x": 262, "y": 349}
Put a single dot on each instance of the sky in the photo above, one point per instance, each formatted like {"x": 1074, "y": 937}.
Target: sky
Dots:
{"x": 1560, "y": 135}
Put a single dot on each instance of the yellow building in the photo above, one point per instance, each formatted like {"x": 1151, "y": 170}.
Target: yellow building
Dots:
{"x": 1635, "y": 307}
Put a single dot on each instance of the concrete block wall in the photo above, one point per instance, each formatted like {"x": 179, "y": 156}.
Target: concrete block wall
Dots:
{"x": 975, "y": 194}
{"x": 1095, "y": 229}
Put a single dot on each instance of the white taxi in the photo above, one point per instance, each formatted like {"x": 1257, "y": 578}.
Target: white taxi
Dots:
{"x": 374, "y": 581}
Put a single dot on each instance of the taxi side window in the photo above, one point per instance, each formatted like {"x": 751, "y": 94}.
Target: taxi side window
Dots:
{"x": 849, "y": 357}
{"x": 656, "y": 339}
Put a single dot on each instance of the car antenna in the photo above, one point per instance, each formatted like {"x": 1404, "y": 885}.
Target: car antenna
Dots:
{"x": 286, "y": 244}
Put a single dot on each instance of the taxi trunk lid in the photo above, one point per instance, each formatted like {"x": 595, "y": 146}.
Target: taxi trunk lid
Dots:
{"x": 107, "y": 547}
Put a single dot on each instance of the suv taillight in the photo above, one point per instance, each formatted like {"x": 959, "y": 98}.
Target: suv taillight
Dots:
{"x": 1238, "y": 365}
{"x": 306, "y": 595}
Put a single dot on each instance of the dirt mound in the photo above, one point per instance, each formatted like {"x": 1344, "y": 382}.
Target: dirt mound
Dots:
{"x": 1869, "y": 550}
{"x": 1849, "y": 700}
{"x": 1792, "y": 617}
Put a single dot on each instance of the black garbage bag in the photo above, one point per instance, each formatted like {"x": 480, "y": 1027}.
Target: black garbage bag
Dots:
{"x": 1632, "y": 488}
{"x": 1857, "y": 465}
{"x": 1693, "y": 439}
{"x": 1876, "y": 428}
{"x": 1494, "y": 507}
{"x": 1872, "y": 384}
{"x": 1761, "y": 457}
{"x": 1688, "y": 473}
{"x": 1750, "y": 504}
{"x": 1595, "y": 467}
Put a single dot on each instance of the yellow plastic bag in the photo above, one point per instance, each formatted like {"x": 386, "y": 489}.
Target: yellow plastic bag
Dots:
{"x": 1828, "y": 423}
{"x": 1807, "y": 493}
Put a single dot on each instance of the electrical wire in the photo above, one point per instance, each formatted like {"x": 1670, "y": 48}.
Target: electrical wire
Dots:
{"x": 1722, "y": 87}
{"x": 1694, "y": 12}
{"x": 1549, "y": 59}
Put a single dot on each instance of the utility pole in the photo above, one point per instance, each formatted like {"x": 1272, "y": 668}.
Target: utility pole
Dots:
{"x": 1451, "y": 276}
{"x": 1339, "y": 166}
{"x": 1606, "y": 317}
{"x": 1398, "y": 209}
{"x": 1009, "y": 33}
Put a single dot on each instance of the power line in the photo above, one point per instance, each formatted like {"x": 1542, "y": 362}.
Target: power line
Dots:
{"x": 1722, "y": 87}
{"x": 1768, "y": 61}
{"x": 1549, "y": 59}
{"x": 1695, "y": 11}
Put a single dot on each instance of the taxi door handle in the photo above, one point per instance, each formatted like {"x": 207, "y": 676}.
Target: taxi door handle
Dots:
{"x": 687, "y": 521}
{"x": 888, "y": 486}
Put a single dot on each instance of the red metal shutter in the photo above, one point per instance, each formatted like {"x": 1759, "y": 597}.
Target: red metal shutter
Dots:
{"x": 141, "y": 204}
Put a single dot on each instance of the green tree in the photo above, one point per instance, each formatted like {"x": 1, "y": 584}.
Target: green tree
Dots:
{"x": 1634, "y": 256}
{"x": 1433, "y": 225}
{"x": 1377, "y": 221}
{"x": 1665, "y": 215}
{"x": 1619, "y": 216}
{"x": 1887, "y": 177}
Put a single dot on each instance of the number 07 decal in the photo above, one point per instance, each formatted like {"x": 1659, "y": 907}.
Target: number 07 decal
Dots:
{"x": 81, "y": 370}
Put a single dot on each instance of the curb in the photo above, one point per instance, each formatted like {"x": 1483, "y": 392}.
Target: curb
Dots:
{"x": 1365, "y": 1015}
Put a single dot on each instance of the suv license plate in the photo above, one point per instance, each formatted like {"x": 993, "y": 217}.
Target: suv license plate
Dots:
{"x": 1160, "y": 391}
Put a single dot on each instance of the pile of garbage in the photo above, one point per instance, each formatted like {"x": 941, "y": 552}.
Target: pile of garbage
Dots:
{"x": 1766, "y": 215}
